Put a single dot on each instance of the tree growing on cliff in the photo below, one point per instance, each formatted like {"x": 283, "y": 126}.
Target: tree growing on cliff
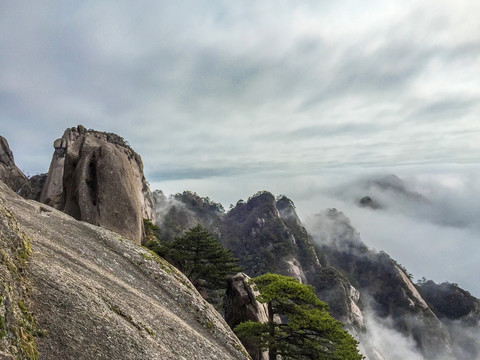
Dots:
{"x": 299, "y": 325}
{"x": 201, "y": 257}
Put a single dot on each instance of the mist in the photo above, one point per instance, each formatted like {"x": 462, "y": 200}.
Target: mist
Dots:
{"x": 430, "y": 233}
{"x": 384, "y": 342}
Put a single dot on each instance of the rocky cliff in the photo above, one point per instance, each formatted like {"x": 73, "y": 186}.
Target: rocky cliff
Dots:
{"x": 10, "y": 174}
{"x": 96, "y": 177}
{"x": 264, "y": 232}
{"x": 83, "y": 292}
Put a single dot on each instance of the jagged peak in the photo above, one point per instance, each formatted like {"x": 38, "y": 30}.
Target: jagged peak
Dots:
{"x": 79, "y": 132}
{"x": 193, "y": 199}
{"x": 262, "y": 194}
{"x": 283, "y": 201}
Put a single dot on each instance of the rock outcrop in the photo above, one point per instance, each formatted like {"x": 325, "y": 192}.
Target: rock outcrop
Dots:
{"x": 10, "y": 174}
{"x": 92, "y": 294}
{"x": 240, "y": 305}
{"x": 96, "y": 177}
{"x": 240, "y": 302}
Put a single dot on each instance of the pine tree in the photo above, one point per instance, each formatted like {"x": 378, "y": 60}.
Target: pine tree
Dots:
{"x": 202, "y": 258}
{"x": 306, "y": 329}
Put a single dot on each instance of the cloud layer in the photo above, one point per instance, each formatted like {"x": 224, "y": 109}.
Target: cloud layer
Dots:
{"x": 203, "y": 89}
{"x": 431, "y": 226}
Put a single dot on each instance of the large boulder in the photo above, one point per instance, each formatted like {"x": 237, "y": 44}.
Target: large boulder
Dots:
{"x": 10, "y": 174}
{"x": 96, "y": 177}
{"x": 92, "y": 294}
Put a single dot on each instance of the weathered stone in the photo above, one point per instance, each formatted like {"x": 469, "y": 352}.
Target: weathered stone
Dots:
{"x": 240, "y": 302}
{"x": 32, "y": 189}
{"x": 10, "y": 174}
{"x": 96, "y": 177}
{"x": 16, "y": 325}
{"x": 240, "y": 305}
{"x": 97, "y": 295}
{"x": 4, "y": 356}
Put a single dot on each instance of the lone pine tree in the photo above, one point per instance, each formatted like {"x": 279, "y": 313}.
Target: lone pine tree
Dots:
{"x": 299, "y": 325}
{"x": 201, "y": 257}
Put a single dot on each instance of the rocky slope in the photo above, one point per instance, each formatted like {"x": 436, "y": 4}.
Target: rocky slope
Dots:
{"x": 96, "y": 295}
{"x": 96, "y": 177}
{"x": 17, "y": 326}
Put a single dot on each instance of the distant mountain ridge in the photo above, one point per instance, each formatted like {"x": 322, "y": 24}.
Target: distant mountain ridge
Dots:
{"x": 96, "y": 177}
{"x": 267, "y": 236}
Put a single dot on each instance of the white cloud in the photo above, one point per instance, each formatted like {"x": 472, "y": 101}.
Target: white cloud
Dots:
{"x": 203, "y": 76}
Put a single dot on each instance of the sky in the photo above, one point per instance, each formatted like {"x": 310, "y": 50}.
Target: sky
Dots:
{"x": 227, "y": 98}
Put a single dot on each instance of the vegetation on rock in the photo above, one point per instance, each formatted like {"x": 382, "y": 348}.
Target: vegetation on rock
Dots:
{"x": 17, "y": 324}
{"x": 299, "y": 325}
{"x": 200, "y": 256}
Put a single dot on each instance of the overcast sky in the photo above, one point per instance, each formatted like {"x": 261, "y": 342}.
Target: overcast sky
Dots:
{"x": 229, "y": 97}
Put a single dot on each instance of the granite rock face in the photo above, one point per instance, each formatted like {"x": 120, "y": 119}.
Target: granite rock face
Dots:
{"x": 96, "y": 177}
{"x": 240, "y": 305}
{"x": 10, "y": 174}
{"x": 96, "y": 295}
{"x": 16, "y": 325}
{"x": 240, "y": 302}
